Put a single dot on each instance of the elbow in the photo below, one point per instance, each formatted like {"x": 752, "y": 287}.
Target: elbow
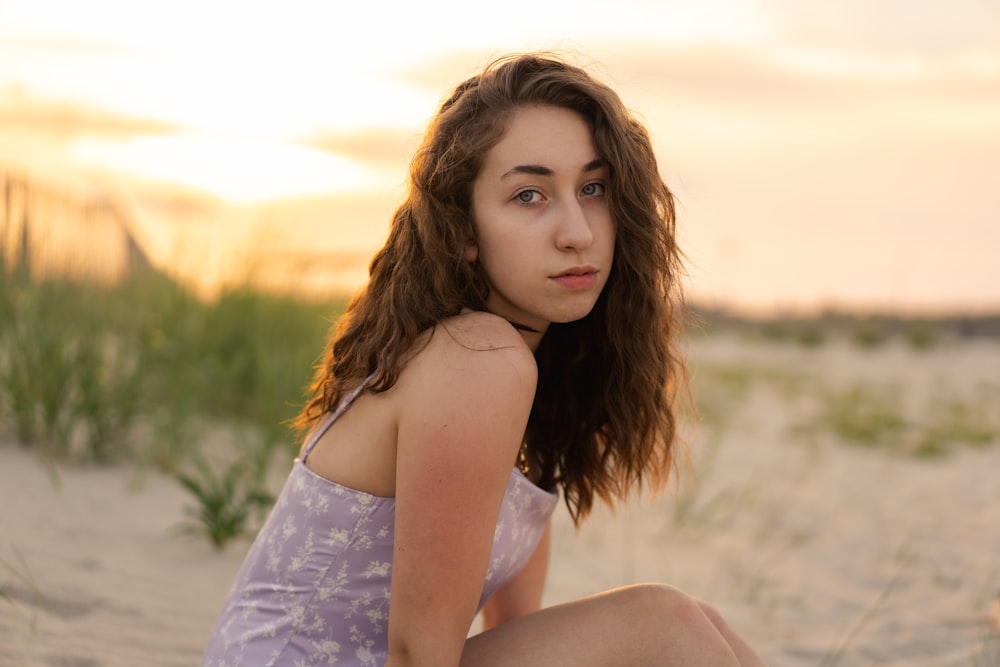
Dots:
{"x": 502, "y": 608}
{"x": 494, "y": 615}
{"x": 399, "y": 656}
{"x": 491, "y": 618}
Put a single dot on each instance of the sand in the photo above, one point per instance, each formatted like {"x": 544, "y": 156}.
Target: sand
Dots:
{"x": 819, "y": 551}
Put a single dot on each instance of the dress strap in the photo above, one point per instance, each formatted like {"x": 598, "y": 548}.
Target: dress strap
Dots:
{"x": 344, "y": 404}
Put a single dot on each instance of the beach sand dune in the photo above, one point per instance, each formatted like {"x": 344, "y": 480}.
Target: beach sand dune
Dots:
{"x": 819, "y": 551}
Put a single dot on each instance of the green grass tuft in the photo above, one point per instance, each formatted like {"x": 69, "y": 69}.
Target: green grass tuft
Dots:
{"x": 865, "y": 415}
{"x": 225, "y": 502}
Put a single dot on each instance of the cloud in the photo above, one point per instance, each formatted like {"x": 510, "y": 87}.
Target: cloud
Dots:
{"x": 940, "y": 28}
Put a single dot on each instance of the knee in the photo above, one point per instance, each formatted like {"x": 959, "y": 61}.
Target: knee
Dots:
{"x": 668, "y": 607}
{"x": 713, "y": 614}
{"x": 669, "y": 620}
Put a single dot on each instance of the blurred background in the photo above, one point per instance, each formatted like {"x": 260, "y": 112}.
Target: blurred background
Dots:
{"x": 837, "y": 166}
{"x": 826, "y": 155}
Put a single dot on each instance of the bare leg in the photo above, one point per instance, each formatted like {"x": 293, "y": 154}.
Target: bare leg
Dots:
{"x": 645, "y": 625}
{"x": 744, "y": 653}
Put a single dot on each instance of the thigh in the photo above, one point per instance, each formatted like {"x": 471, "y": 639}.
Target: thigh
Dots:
{"x": 635, "y": 626}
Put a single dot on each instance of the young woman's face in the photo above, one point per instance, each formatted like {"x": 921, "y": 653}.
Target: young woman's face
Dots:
{"x": 544, "y": 235}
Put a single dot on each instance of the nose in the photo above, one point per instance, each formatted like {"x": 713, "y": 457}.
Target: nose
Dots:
{"x": 573, "y": 231}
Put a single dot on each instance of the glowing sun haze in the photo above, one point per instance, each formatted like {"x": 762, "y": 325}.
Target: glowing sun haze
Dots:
{"x": 824, "y": 153}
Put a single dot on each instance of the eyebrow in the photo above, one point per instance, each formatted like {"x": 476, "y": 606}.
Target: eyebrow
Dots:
{"x": 540, "y": 170}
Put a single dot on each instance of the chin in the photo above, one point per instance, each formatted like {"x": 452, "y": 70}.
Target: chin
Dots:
{"x": 573, "y": 314}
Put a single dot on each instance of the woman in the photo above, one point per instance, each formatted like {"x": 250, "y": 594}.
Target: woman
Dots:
{"x": 514, "y": 340}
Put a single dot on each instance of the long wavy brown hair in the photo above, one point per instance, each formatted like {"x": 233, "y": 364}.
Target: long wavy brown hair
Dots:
{"x": 603, "y": 422}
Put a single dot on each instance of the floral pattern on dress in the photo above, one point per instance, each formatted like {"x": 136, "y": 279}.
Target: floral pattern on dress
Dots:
{"x": 315, "y": 586}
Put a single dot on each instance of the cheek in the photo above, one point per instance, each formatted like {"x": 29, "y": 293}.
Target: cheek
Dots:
{"x": 602, "y": 220}
{"x": 496, "y": 239}
{"x": 609, "y": 234}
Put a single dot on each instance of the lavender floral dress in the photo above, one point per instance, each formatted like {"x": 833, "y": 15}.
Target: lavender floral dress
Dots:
{"x": 314, "y": 588}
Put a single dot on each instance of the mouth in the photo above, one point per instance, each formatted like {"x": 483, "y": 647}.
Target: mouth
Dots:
{"x": 577, "y": 271}
{"x": 577, "y": 277}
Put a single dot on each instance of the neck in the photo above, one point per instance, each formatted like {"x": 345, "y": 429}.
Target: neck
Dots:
{"x": 533, "y": 337}
{"x": 523, "y": 327}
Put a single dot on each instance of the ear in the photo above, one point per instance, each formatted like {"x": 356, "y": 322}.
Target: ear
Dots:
{"x": 471, "y": 251}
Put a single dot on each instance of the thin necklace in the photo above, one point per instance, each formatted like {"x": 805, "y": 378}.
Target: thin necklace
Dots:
{"x": 522, "y": 327}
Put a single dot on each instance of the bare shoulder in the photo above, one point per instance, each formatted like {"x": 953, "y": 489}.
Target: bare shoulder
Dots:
{"x": 472, "y": 350}
{"x": 480, "y": 340}
{"x": 481, "y": 331}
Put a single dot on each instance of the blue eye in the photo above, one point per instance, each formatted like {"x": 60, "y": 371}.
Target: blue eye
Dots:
{"x": 593, "y": 189}
{"x": 527, "y": 196}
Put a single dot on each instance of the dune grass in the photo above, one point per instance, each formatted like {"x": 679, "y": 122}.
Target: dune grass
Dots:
{"x": 82, "y": 364}
{"x": 225, "y": 503}
{"x": 134, "y": 371}
{"x": 875, "y": 414}
{"x": 24, "y": 585}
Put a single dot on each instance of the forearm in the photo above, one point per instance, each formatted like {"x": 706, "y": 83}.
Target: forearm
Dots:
{"x": 523, "y": 594}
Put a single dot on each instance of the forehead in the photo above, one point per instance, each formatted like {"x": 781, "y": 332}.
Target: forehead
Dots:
{"x": 548, "y": 136}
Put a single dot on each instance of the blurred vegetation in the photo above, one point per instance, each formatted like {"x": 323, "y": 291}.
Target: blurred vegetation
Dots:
{"x": 82, "y": 364}
{"x": 225, "y": 503}
{"x": 875, "y": 415}
{"x": 865, "y": 415}
{"x": 872, "y": 414}
{"x": 863, "y": 330}
{"x": 136, "y": 371}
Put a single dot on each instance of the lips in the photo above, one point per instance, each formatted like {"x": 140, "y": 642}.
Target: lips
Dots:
{"x": 577, "y": 277}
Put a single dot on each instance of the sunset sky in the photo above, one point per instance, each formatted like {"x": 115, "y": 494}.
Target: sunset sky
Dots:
{"x": 824, "y": 153}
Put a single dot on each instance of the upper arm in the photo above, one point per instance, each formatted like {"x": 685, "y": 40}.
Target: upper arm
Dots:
{"x": 461, "y": 422}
